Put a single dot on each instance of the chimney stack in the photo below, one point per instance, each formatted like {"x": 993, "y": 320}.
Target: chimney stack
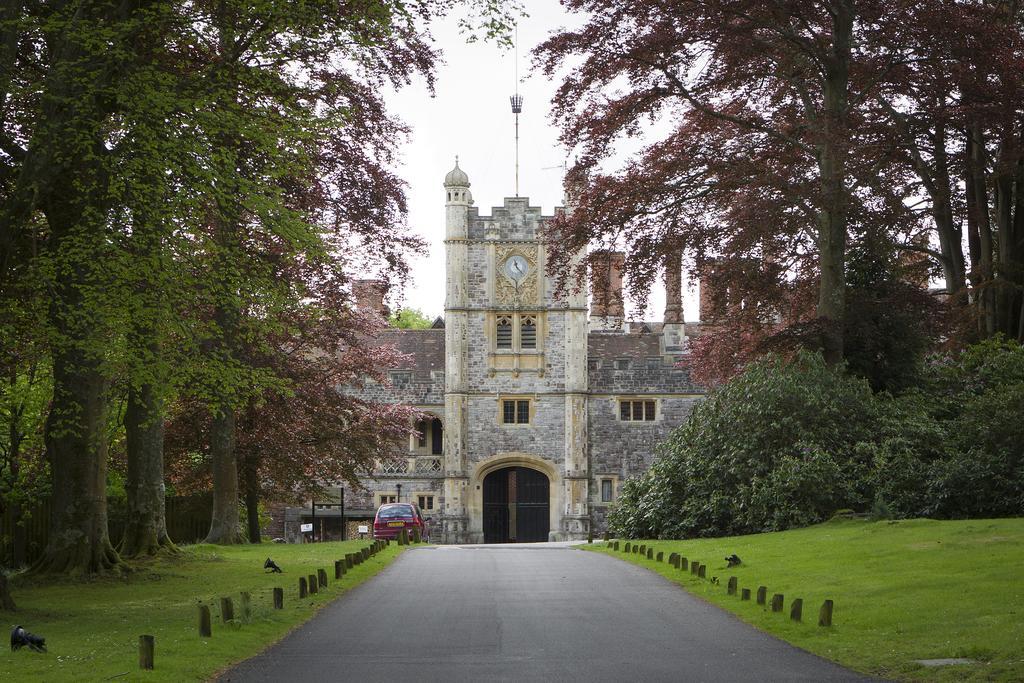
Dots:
{"x": 369, "y": 296}
{"x": 607, "y": 310}
{"x": 711, "y": 301}
{"x": 674, "y": 331}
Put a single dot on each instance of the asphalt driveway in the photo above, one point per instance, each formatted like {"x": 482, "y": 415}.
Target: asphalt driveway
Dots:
{"x": 527, "y": 613}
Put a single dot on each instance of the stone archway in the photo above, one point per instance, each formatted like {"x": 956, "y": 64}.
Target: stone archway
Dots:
{"x": 516, "y": 505}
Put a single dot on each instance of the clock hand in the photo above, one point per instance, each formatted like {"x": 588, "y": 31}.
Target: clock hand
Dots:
{"x": 518, "y": 268}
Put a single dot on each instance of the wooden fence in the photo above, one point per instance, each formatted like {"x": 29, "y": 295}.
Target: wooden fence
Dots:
{"x": 188, "y": 521}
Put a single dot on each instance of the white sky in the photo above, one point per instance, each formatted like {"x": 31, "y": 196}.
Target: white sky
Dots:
{"x": 470, "y": 116}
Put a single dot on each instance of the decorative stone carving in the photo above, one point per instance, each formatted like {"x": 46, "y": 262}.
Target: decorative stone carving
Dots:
{"x": 527, "y": 294}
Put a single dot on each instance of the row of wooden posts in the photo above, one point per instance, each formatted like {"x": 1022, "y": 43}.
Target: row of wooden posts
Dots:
{"x": 699, "y": 570}
{"x": 307, "y": 585}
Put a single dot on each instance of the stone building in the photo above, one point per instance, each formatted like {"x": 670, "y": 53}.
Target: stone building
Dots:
{"x": 538, "y": 406}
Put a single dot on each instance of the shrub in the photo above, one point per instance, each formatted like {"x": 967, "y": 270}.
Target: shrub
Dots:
{"x": 787, "y": 444}
{"x": 773, "y": 448}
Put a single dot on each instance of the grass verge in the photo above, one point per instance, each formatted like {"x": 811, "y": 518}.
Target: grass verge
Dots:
{"x": 92, "y": 627}
{"x": 903, "y": 591}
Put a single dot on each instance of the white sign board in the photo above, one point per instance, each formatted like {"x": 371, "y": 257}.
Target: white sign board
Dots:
{"x": 305, "y": 527}
{"x": 363, "y": 529}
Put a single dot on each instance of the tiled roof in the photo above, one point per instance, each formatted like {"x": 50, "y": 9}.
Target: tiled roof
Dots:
{"x": 424, "y": 348}
{"x": 611, "y": 345}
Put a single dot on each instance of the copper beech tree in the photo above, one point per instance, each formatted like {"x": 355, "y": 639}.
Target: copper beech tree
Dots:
{"x": 785, "y": 131}
{"x": 309, "y": 431}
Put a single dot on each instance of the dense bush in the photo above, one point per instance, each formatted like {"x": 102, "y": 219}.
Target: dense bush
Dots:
{"x": 968, "y": 457}
{"x": 787, "y": 444}
{"x": 773, "y": 448}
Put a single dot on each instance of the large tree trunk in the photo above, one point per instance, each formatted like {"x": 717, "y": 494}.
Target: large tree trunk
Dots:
{"x": 76, "y": 446}
{"x": 252, "y": 497}
{"x": 832, "y": 217}
{"x": 224, "y": 525}
{"x": 6, "y": 601}
{"x": 949, "y": 232}
{"x": 146, "y": 533}
{"x": 977, "y": 167}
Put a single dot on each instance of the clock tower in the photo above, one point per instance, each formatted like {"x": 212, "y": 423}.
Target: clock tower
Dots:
{"x": 515, "y": 432}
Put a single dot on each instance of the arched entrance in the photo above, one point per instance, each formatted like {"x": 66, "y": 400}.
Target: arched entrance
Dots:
{"x": 516, "y": 506}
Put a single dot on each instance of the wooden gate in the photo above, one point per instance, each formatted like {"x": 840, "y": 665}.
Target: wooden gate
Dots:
{"x": 516, "y": 508}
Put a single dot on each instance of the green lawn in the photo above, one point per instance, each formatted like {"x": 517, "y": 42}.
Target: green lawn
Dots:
{"x": 903, "y": 591}
{"x": 92, "y": 627}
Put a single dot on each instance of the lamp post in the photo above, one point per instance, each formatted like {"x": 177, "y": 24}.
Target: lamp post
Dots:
{"x": 398, "y": 499}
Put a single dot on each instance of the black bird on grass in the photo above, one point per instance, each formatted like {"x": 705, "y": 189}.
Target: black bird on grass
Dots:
{"x": 733, "y": 560}
{"x": 272, "y": 566}
{"x": 21, "y": 638}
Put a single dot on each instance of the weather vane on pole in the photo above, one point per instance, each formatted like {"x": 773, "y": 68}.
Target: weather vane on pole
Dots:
{"x": 517, "y": 105}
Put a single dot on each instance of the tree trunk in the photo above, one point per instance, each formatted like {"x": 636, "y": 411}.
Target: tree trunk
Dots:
{"x": 949, "y": 231}
{"x": 146, "y": 533}
{"x": 832, "y": 218}
{"x": 76, "y": 447}
{"x": 977, "y": 166}
{"x": 252, "y": 498}
{"x": 6, "y": 601}
{"x": 224, "y": 525}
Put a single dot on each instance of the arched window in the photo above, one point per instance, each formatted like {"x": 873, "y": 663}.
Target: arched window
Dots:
{"x": 528, "y": 332}
{"x": 504, "y": 332}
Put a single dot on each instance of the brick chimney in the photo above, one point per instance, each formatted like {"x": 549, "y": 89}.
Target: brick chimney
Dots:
{"x": 674, "y": 332}
{"x": 607, "y": 310}
{"x": 710, "y": 301}
{"x": 369, "y": 296}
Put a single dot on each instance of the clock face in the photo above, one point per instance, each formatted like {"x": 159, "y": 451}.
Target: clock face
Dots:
{"x": 516, "y": 267}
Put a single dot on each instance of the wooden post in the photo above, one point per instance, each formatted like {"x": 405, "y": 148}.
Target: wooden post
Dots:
{"x": 302, "y": 587}
{"x": 643, "y": 549}
{"x": 777, "y": 600}
{"x": 702, "y": 571}
{"x": 684, "y": 566}
{"x": 339, "y": 569}
{"x": 227, "y": 610}
{"x": 732, "y": 585}
{"x": 205, "y": 631}
{"x": 278, "y": 598}
{"x": 321, "y": 576}
{"x": 416, "y": 535}
{"x": 744, "y": 594}
{"x": 607, "y": 536}
{"x": 615, "y": 546}
{"x": 312, "y": 584}
{"x": 650, "y": 553}
{"x": 762, "y": 594}
{"x": 626, "y": 548}
{"x": 403, "y": 537}
{"x": 694, "y": 566}
{"x": 825, "y": 615}
{"x": 246, "y": 603}
{"x": 348, "y": 561}
{"x": 673, "y": 559}
{"x": 145, "y": 652}
{"x": 590, "y": 535}
{"x": 660, "y": 557}
{"x": 796, "y": 610}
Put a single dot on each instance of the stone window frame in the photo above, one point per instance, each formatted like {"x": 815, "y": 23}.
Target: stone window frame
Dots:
{"x": 431, "y": 496}
{"x": 378, "y": 495}
{"x": 601, "y": 478}
{"x": 515, "y": 319}
{"x": 619, "y": 400}
{"x": 532, "y": 414}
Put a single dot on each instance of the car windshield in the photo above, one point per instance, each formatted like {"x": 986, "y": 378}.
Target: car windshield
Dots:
{"x": 395, "y": 512}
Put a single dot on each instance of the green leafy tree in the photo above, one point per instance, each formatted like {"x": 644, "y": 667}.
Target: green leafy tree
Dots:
{"x": 410, "y": 319}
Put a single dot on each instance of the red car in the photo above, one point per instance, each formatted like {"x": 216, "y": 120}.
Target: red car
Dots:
{"x": 393, "y": 517}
